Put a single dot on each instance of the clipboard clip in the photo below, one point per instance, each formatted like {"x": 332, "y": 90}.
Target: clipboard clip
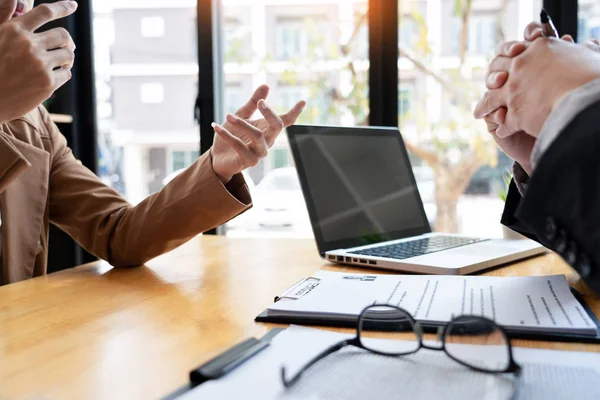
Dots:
{"x": 300, "y": 289}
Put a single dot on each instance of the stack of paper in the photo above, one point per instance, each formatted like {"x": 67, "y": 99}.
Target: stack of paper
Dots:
{"x": 356, "y": 374}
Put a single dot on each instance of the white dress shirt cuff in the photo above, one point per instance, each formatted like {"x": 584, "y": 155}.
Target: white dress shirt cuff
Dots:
{"x": 569, "y": 107}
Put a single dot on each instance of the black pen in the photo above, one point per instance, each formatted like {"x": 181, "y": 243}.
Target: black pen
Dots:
{"x": 548, "y": 28}
{"x": 228, "y": 361}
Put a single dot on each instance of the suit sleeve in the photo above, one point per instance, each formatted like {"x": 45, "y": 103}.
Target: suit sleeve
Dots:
{"x": 561, "y": 206}
{"x": 105, "y": 224}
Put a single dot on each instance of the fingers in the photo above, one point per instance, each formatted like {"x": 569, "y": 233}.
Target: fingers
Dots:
{"x": 533, "y": 31}
{"x": 567, "y": 38}
{"x": 58, "y": 38}
{"x": 47, "y": 12}
{"x": 243, "y": 129}
{"x": 510, "y": 49}
{"x": 495, "y": 119}
{"x": 61, "y": 76}
{"x": 595, "y": 41}
{"x": 275, "y": 123}
{"x": 490, "y": 102}
{"x": 251, "y": 106}
{"x": 517, "y": 146}
{"x": 505, "y": 128}
{"x": 61, "y": 58}
{"x": 291, "y": 116}
{"x": 7, "y": 9}
{"x": 499, "y": 64}
{"x": 495, "y": 80}
{"x": 247, "y": 155}
{"x": 491, "y": 126}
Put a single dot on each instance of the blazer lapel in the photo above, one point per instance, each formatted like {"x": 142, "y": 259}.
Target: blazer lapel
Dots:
{"x": 23, "y": 210}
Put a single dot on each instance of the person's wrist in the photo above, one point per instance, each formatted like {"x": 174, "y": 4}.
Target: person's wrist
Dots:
{"x": 223, "y": 177}
{"x": 582, "y": 81}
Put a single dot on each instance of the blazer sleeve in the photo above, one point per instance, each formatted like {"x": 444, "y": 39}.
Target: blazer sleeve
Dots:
{"x": 561, "y": 207}
{"x": 106, "y": 225}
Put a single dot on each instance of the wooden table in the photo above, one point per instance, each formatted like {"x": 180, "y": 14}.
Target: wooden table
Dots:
{"x": 103, "y": 333}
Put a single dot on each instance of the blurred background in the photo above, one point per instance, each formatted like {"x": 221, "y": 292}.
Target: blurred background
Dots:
{"x": 151, "y": 58}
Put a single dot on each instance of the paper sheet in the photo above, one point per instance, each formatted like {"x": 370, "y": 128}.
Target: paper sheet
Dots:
{"x": 531, "y": 303}
{"x": 356, "y": 374}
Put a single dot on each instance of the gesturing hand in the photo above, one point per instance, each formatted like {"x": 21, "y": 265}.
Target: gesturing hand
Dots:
{"x": 241, "y": 143}
{"x": 33, "y": 65}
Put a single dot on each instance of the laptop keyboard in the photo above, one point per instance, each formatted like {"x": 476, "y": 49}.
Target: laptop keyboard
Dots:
{"x": 415, "y": 248}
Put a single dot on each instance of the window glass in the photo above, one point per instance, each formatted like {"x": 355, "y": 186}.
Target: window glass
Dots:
{"x": 458, "y": 168}
{"x": 316, "y": 52}
{"x": 153, "y": 27}
{"x": 147, "y": 82}
{"x": 589, "y": 20}
{"x": 179, "y": 160}
{"x": 152, "y": 93}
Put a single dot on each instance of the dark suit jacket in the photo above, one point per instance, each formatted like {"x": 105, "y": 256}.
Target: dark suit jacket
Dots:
{"x": 561, "y": 206}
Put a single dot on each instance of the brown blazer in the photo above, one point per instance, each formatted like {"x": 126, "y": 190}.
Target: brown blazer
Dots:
{"x": 42, "y": 182}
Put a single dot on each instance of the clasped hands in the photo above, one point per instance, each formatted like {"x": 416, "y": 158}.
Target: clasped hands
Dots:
{"x": 526, "y": 81}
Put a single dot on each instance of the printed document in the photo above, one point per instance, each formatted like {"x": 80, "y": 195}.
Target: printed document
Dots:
{"x": 357, "y": 374}
{"x": 525, "y": 304}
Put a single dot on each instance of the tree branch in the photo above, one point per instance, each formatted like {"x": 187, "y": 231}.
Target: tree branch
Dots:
{"x": 426, "y": 155}
{"x": 464, "y": 34}
{"x": 463, "y": 172}
{"x": 447, "y": 86}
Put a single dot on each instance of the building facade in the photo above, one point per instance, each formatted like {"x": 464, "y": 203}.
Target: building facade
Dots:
{"x": 309, "y": 49}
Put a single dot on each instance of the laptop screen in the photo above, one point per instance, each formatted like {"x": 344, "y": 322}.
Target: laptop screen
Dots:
{"x": 358, "y": 185}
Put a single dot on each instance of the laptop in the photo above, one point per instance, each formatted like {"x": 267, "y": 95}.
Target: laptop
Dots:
{"x": 365, "y": 208}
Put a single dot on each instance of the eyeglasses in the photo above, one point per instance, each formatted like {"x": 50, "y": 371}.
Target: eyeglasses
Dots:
{"x": 391, "y": 331}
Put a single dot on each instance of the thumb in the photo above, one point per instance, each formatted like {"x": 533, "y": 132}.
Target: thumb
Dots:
{"x": 568, "y": 38}
{"x": 7, "y": 9}
{"x": 593, "y": 44}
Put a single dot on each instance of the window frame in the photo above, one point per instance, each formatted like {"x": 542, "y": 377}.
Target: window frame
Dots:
{"x": 383, "y": 57}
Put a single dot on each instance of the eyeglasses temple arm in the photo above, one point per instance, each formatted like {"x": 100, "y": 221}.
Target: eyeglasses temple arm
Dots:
{"x": 290, "y": 382}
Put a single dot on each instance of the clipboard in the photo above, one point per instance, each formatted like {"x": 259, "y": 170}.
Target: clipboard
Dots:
{"x": 304, "y": 286}
{"x": 233, "y": 357}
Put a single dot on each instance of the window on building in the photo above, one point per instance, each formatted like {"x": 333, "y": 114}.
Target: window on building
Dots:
{"x": 588, "y": 20}
{"x": 152, "y": 27}
{"x": 408, "y": 32}
{"x": 291, "y": 38}
{"x": 281, "y": 158}
{"x": 405, "y": 97}
{"x": 181, "y": 159}
{"x": 232, "y": 32}
{"x": 234, "y": 97}
{"x": 237, "y": 40}
{"x": 482, "y": 34}
{"x": 152, "y": 93}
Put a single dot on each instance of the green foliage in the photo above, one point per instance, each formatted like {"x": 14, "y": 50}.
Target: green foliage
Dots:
{"x": 503, "y": 191}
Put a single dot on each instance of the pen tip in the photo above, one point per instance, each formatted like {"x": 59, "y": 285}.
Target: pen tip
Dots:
{"x": 544, "y": 16}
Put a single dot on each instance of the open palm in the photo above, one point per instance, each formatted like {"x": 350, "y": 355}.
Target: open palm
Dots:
{"x": 241, "y": 143}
